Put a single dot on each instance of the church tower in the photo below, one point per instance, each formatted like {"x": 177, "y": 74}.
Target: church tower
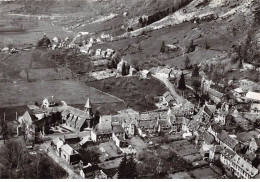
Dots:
{"x": 88, "y": 107}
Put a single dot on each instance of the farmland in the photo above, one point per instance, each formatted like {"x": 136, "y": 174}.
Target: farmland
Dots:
{"x": 72, "y": 92}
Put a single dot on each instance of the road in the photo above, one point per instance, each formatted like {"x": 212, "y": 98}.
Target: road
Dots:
{"x": 170, "y": 86}
{"x": 67, "y": 167}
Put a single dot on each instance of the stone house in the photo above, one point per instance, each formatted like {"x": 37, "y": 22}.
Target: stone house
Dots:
{"x": 70, "y": 155}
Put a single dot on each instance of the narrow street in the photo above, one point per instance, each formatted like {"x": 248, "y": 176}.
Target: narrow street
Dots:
{"x": 170, "y": 86}
{"x": 67, "y": 167}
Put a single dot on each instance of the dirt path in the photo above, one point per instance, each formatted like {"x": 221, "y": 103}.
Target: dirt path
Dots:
{"x": 52, "y": 154}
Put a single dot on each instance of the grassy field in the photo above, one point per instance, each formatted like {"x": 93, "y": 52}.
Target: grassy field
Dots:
{"x": 12, "y": 65}
{"x": 72, "y": 92}
{"x": 137, "y": 94}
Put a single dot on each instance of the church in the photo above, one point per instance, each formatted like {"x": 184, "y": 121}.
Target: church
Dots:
{"x": 78, "y": 119}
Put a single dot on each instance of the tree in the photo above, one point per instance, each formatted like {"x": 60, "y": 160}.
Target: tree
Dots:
{"x": 182, "y": 85}
{"x": 195, "y": 72}
{"x": 6, "y": 130}
{"x": 14, "y": 154}
{"x": 122, "y": 170}
{"x": 162, "y": 50}
{"x": 240, "y": 64}
{"x": 206, "y": 44}
{"x": 124, "y": 71}
{"x": 190, "y": 47}
{"x": 187, "y": 62}
{"x": 127, "y": 168}
{"x": 131, "y": 166}
{"x": 196, "y": 84}
{"x": 139, "y": 48}
{"x": 135, "y": 64}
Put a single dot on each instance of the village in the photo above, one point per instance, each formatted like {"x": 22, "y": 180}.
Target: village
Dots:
{"x": 209, "y": 130}
{"x": 131, "y": 101}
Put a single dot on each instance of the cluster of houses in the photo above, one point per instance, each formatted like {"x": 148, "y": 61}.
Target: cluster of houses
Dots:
{"x": 229, "y": 137}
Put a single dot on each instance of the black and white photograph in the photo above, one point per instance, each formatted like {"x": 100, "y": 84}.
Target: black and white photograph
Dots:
{"x": 129, "y": 89}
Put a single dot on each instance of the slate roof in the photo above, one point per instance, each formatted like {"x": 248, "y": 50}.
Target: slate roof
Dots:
{"x": 147, "y": 124}
{"x": 209, "y": 109}
{"x": 215, "y": 93}
{"x": 91, "y": 169}
{"x": 117, "y": 128}
{"x": 103, "y": 128}
{"x": 76, "y": 112}
{"x": 67, "y": 149}
{"x": 228, "y": 140}
{"x": 29, "y": 118}
{"x": 208, "y": 138}
{"x": 218, "y": 149}
{"x": 163, "y": 122}
{"x": 244, "y": 137}
{"x": 216, "y": 127}
{"x": 228, "y": 153}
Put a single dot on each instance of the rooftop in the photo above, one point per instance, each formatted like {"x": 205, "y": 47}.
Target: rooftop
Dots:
{"x": 253, "y": 96}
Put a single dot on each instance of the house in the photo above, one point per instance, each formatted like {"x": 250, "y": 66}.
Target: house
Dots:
{"x": 163, "y": 125}
{"x": 132, "y": 71}
{"x": 215, "y": 152}
{"x": 56, "y": 143}
{"x": 146, "y": 127}
{"x": 92, "y": 172}
{"x": 145, "y": 74}
{"x": 255, "y": 108}
{"x": 102, "y": 132}
{"x": 244, "y": 138}
{"x": 168, "y": 99}
{"x": 78, "y": 119}
{"x": 103, "y": 53}
{"x": 253, "y": 96}
{"x": 214, "y": 129}
{"x": 225, "y": 157}
{"x": 163, "y": 72}
{"x": 128, "y": 122}
{"x": 98, "y": 52}
{"x": 86, "y": 142}
{"x": 254, "y": 145}
{"x": 248, "y": 85}
{"x": 110, "y": 150}
{"x": 239, "y": 93}
{"x": 31, "y": 125}
{"x": 120, "y": 66}
{"x": 176, "y": 124}
{"x": 221, "y": 114}
{"x": 215, "y": 95}
{"x": 242, "y": 169}
{"x": 118, "y": 130}
{"x": 48, "y": 102}
{"x": 227, "y": 141}
{"x": 70, "y": 155}
{"x": 110, "y": 53}
{"x": 119, "y": 141}
{"x": 170, "y": 47}
{"x": 208, "y": 112}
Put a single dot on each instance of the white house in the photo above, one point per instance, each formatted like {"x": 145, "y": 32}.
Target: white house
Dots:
{"x": 164, "y": 72}
{"x": 145, "y": 74}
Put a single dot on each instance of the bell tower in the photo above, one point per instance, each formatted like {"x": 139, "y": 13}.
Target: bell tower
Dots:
{"x": 88, "y": 107}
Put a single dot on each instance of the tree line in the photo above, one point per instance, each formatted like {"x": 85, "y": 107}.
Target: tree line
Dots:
{"x": 144, "y": 21}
